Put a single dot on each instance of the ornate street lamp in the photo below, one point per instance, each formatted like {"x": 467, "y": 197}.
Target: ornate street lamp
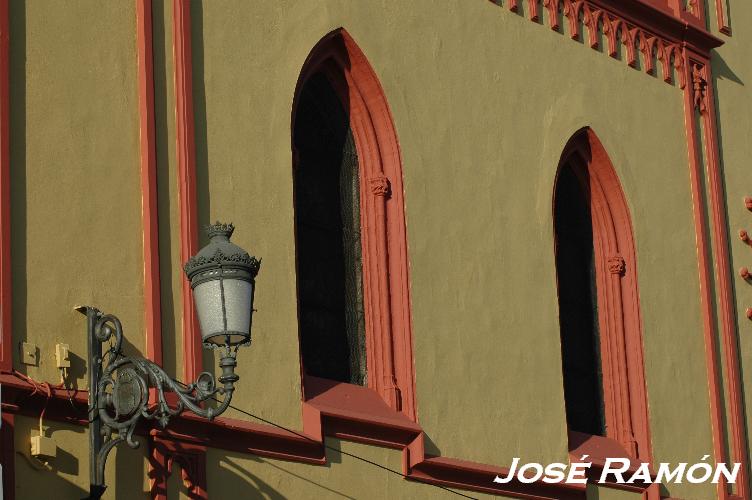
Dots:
{"x": 222, "y": 277}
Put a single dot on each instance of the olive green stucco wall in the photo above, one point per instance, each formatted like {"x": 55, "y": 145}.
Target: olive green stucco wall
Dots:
{"x": 76, "y": 199}
{"x": 483, "y": 103}
{"x": 67, "y": 476}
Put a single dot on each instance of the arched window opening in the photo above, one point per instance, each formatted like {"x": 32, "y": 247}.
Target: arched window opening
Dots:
{"x": 353, "y": 291}
{"x": 599, "y": 314}
{"x": 327, "y": 224}
{"x": 578, "y": 305}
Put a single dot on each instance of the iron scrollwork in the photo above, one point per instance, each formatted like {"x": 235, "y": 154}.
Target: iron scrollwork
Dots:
{"x": 123, "y": 387}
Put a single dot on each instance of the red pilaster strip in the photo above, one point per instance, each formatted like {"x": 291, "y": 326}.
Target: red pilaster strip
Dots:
{"x": 6, "y": 361}
{"x": 186, "y": 160}
{"x": 722, "y": 15}
{"x": 737, "y": 432}
{"x": 152, "y": 305}
{"x": 704, "y": 265}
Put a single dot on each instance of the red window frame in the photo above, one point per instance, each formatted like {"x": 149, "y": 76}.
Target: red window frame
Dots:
{"x": 386, "y": 293}
{"x": 620, "y": 326}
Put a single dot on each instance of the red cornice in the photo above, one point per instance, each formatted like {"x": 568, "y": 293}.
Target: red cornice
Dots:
{"x": 388, "y": 428}
{"x": 633, "y": 26}
{"x": 662, "y": 23}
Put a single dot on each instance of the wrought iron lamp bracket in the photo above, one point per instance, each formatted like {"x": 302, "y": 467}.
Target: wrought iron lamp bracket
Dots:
{"x": 121, "y": 386}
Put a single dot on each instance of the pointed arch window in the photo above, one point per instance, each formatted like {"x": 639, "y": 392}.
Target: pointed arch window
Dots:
{"x": 599, "y": 317}
{"x": 353, "y": 295}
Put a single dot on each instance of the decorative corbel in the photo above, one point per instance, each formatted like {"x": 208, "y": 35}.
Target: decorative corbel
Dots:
{"x": 164, "y": 453}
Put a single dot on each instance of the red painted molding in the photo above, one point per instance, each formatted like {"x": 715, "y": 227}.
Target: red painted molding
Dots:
{"x": 6, "y": 303}
{"x": 655, "y": 29}
{"x": 700, "y": 116}
{"x": 186, "y": 161}
{"x": 724, "y": 277}
{"x": 164, "y": 451}
{"x": 721, "y": 14}
{"x": 620, "y": 326}
{"x": 375, "y": 423}
{"x": 355, "y": 413}
{"x": 149, "y": 217}
{"x": 704, "y": 121}
{"x": 385, "y": 265}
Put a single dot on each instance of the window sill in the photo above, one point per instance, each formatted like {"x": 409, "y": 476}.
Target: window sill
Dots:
{"x": 598, "y": 449}
{"x": 353, "y": 412}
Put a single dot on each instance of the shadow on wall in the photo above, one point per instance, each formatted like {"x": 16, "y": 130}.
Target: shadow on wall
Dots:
{"x": 35, "y": 479}
{"x": 430, "y": 447}
{"x": 161, "y": 138}
{"x": 203, "y": 208}
{"x": 721, "y": 70}
{"x": 236, "y": 478}
{"x": 165, "y": 128}
{"x": 17, "y": 14}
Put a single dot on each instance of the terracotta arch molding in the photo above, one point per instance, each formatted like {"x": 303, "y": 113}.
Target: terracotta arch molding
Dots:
{"x": 385, "y": 267}
{"x": 620, "y": 325}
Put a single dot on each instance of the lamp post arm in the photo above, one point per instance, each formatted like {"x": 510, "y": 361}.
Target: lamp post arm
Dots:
{"x": 123, "y": 386}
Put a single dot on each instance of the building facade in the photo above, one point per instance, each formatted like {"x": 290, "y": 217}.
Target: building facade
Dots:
{"x": 488, "y": 231}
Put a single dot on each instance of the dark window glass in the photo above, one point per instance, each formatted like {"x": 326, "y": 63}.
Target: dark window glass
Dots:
{"x": 327, "y": 217}
{"x": 578, "y": 305}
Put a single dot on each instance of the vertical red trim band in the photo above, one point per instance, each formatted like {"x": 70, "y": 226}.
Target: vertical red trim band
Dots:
{"x": 186, "y": 161}
{"x": 8, "y": 455}
{"x": 737, "y": 433}
{"x": 704, "y": 265}
{"x": 722, "y": 16}
{"x": 149, "y": 217}
{"x": 6, "y": 339}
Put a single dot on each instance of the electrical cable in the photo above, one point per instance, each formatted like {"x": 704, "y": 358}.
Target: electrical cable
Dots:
{"x": 329, "y": 447}
{"x": 36, "y": 389}
{"x": 338, "y": 450}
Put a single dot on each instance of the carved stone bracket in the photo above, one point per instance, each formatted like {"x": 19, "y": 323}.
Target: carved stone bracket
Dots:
{"x": 616, "y": 265}
{"x": 164, "y": 452}
{"x": 379, "y": 185}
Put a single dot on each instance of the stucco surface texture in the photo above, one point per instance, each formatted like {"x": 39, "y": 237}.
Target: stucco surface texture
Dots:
{"x": 67, "y": 475}
{"x": 483, "y": 103}
{"x": 76, "y": 234}
{"x": 343, "y": 476}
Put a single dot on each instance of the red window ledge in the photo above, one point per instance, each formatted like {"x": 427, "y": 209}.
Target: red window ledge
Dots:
{"x": 355, "y": 413}
{"x": 598, "y": 449}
